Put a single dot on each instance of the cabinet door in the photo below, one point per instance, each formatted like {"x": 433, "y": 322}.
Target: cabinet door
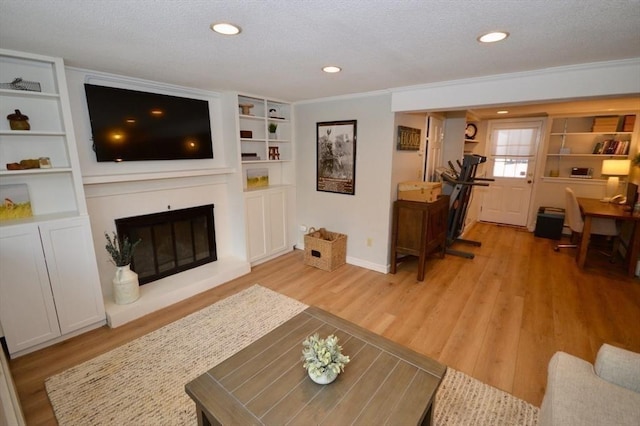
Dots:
{"x": 257, "y": 237}
{"x": 277, "y": 203}
{"x": 27, "y": 310}
{"x": 73, "y": 272}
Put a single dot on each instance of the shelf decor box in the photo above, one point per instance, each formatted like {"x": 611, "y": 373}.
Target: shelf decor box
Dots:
{"x": 605, "y": 124}
{"x": 628, "y": 123}
{"x": 324, "y": 249}
{"x": 426, "y": 192}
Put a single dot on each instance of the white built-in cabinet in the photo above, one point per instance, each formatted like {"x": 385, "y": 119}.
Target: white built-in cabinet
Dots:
{"x": 266, "y": 215}
{"x": 45, "y": 290}
{"x": 49, "y": 284}
{"x": 264, "y": 153}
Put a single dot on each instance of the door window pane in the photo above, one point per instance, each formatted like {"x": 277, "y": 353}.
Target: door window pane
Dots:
{"x": 510, "y": 167}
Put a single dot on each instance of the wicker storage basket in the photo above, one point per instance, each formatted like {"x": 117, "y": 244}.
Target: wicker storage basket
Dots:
{"x": 324, "y": 249}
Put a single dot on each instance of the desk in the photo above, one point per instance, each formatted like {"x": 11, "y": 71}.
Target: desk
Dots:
{"x": 591, "y": 208}
{"x": 265, "y": 384}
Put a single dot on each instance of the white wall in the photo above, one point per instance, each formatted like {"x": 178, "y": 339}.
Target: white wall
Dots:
{"x": 408, "y": 165}
{"x": 116, "y": 190}
{"x": 367, "y": 214}
{"x": 561, "y": 83}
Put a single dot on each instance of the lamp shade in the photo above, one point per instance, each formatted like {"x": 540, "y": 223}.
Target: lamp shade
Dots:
{"x": 615, "y": 167}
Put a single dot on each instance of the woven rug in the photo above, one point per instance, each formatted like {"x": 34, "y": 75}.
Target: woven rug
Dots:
{"x": 142, "y": 382}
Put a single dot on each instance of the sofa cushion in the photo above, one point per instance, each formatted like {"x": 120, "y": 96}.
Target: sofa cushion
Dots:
{"x": 575, "y": 395}
{"x": 619, "y": 366}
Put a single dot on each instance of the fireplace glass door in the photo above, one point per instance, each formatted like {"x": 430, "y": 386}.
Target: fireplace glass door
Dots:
{"x": 171, "y": 241}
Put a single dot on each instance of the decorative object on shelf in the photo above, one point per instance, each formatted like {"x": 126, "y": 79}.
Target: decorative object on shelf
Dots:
{"x": 24, "y": 164}
{"x": 18, "y": 121}
{"x": 636, "y": 160}
{"x": 628, "y": 122}
{"x": 274, "y": 112}
{"x": 565, "y": 151}
{"x": 45, "y": 162}
{"x": 250, "y": 156}
{"x": 126, "y": 288}
{"x": 19, "y": 84}
{"x": 408, "y": 139}
{"x": 605, "y": 124}
{"x": 15, "y": 202}
{"x": 246, "y": 134}
{"x": 336, "y": 156}
{"x": 257, "y": 178}
{"x": 323, "y": 358}
{"x": 273, "y": 127}
{"x": 470, "y": 131}
{"x": 614, "y": 169}
{"x": 245, "y": 109}
{"x": 274, "y": 153}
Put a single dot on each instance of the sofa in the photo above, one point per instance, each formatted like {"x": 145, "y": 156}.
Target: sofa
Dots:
{"x": 579, "y": 393}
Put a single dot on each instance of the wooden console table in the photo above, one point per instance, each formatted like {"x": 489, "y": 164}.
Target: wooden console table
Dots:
{"x": 419, "y": 229}
{"x": 265, "y": 383}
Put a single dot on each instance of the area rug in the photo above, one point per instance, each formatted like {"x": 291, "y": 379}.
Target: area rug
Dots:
{"x": 142, "y": 382}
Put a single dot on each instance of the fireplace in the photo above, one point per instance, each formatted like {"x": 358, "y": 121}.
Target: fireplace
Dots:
{"x": 171, "y": 241}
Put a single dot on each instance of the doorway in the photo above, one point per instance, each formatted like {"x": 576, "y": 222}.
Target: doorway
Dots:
{"x": 511, "y": 159}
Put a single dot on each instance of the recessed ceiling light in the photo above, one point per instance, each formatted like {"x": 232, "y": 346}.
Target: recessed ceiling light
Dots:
{"x": 331, "y": 69}
{"x": 225, "y": 28}
{"x": 502, "y": 111}
{"x": 493, "y": 37}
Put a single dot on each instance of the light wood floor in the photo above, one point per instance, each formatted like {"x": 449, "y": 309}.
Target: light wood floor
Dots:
{"x": 498, "y": 317}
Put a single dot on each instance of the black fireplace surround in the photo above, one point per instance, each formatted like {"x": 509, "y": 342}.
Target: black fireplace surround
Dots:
{"x": 172, "y": 241}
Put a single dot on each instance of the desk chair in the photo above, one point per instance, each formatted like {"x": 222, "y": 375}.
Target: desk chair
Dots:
{"x": 599, "y": 226}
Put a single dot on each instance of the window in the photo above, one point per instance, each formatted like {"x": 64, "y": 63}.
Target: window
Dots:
{"x": 513, "y": 151}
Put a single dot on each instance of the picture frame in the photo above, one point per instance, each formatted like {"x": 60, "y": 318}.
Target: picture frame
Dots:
{"x": 16, "y": 203}
{"x": 336, "y": 156}
{"x": 408, "y": 139}
{"x": 257, "y": 178}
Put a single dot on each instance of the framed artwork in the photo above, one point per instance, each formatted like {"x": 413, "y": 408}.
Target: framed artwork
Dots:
{"x": 257, "y": 178}
{"x": 336, "y": 156}
{"x": 16, "y": 203}
{"x": 408, "y": 139}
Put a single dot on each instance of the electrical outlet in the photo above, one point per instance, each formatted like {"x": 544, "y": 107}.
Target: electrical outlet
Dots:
{"x": 303, "y": 228}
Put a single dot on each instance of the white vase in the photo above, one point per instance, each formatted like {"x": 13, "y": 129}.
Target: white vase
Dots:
{"x": 126, "y": 288}
{"x": 325, "y": 378}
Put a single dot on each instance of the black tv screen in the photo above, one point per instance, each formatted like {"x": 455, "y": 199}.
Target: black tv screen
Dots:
{"x": 128, "y": 125}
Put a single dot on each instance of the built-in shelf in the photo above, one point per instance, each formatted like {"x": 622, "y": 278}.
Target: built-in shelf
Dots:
{"x": 593, "y": 181}
{"x": 603, "y": 156}
{"x": 131, "y": 177}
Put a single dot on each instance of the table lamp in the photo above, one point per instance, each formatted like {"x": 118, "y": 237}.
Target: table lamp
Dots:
{"x": 614, "y": 169}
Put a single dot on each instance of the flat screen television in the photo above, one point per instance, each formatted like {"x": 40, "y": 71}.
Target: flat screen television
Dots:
{"x": 128, "y": 125}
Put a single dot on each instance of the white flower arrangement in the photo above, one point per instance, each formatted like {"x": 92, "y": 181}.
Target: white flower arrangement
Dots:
{"x": 323, "y": 355}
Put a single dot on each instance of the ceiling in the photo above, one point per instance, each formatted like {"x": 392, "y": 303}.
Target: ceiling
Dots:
{"x": 380, "y": 44}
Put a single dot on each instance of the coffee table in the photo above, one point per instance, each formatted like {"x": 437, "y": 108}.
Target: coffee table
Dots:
{"x": 265, "y": 383}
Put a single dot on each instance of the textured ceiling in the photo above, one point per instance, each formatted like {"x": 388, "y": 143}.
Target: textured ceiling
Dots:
{"x": 380, "y": 44}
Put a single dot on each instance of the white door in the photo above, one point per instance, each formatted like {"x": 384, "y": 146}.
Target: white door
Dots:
{"x": 433, "y": 160}
{"x": 73, "y": 272}
{"x": 511, "y": 162}
{"x": 27, "y": 310}
{"x": 277, "y": 221}
{"x": 256, "y": 213}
